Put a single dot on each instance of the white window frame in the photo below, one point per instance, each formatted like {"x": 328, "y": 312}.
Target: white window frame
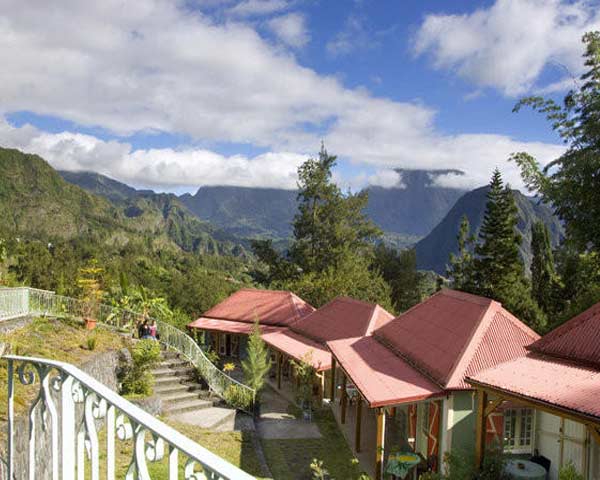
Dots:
{"x": 519, "y": 448}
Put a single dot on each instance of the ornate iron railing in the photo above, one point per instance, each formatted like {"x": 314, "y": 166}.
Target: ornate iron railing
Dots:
{"x": 31, "y": 301}
{"x": 74, "y": 425}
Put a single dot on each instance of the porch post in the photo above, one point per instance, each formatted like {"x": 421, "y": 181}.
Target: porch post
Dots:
{"x": 595, "y": 432}
{"x": 481, "y": 427}
{"x": 358, "y": 424}
{"x": 379, "y": 449}
{"x": 332, "y": 386}
{"x": 279, "y": 361}
{"x": 344, "y": 399}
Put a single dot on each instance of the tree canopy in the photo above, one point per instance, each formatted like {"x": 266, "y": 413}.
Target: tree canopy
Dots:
{"x": 571, "y": 183}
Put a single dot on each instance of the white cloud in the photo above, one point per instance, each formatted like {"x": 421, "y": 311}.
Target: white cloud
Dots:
{"x": 290, "y": 29}
{"x": 156, "y": 67}
{"x": 354, "y": 36}
{"x": 508, "y": 45}
{"x": 249, "y": 8}
{"x": 157, "y": 168}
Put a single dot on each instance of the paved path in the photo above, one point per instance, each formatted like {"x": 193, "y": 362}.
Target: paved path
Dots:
{"x": 276, "y": 423}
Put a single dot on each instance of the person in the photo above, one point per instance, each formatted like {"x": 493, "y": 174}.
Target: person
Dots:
{"x": 153, "y": 331}
{"x": 144, "y": 330}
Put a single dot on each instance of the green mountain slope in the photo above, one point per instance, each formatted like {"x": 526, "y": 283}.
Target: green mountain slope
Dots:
{"x": 248, "y": 212}
{"x": 406, "y": 212}
{"x": 100, "y": 185}
{"x": 434, "y": 250}
{"x": 36, "y": 202}
{"x": 413, "y": 208}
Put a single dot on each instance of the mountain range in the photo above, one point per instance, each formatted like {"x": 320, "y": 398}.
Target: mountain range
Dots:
{"x": 433, "y": 251}
{"x": 38, "y": 201}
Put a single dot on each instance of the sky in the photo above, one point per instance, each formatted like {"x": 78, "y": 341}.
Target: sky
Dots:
{"x": 177, "y": 94}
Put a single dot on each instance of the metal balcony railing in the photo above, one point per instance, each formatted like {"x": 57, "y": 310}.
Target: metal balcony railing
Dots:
{"x": 75, "y": 424}
{"x": 22, "y": 301}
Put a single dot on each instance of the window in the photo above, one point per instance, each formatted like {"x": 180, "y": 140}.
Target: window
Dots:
{"x": 518, "y": 430}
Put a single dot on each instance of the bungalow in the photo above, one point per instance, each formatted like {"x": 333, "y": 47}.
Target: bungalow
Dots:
{"x": 306, "y": 338}
{"x": 226, "y": 326}
{"x": 546, "y": 401}
{"x": 410, "y": 374}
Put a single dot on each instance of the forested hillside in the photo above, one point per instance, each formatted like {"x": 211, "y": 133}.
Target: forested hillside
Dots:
{"x": 433, "y": 251}
{"x": 37, "y": 203}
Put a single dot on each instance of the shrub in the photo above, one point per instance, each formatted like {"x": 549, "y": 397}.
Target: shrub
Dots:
{"x": 305, "y": 374}
{"x": 91, "y": 341}
{"x": 229, "y": 367}
{"x": 137, "y": 378}
{"x": 569, "y": 472}
{"x": 238, "y": 397}
{"x": 258, "y": 363}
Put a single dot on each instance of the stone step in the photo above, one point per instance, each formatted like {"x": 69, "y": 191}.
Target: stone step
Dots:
{"x": 166, "y": 388}
{"x": 187, "y": 406}
{"x": 173, "y": 372}
{"x": 171, "y": 380}
{"x": 170, "y": 354}
{"x": 173, "y": 363}
{"x": 172, "y": 399}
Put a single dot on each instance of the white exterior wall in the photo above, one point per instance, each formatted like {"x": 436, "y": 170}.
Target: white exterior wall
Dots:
{"x": 562, "y": 441}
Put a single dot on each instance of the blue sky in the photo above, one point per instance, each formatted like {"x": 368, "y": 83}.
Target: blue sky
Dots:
{"x": 174, "y": 95}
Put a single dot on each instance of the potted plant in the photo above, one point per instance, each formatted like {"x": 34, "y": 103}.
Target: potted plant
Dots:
{"x": 91, "y": 293}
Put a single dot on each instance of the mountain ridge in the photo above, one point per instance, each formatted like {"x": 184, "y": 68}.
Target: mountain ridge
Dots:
{"x": 433, "y": 251}
{"x": 37, "y": 202}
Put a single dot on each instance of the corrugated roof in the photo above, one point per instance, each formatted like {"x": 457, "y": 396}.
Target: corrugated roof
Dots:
{"x": 577, "y": 340}
{"x": 381, "y": 377}
{"x": 269, "y": 307}
{"x": 229, "y": 326}
{"x": 549, "y": 380}
{"x": 343, "y": 317}
{"x": 452, "y": 334}
{"x": 299, "y": 347}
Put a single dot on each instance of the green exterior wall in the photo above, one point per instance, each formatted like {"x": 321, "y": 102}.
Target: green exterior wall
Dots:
{"x": 464, "y": 422}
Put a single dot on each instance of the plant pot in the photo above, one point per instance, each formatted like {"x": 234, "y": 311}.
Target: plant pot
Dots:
{"x": 90, "y": 323}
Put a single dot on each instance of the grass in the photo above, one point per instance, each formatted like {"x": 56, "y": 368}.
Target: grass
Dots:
{"x": 53, "y": 339}
{"x": 235, "y": 447}
{"x": 67, "y": 341}
{"x": 291, "y": 459}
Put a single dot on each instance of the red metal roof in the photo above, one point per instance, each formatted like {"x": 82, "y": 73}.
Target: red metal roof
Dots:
{"x": 228, "y": 326}
{"x": 577, "y": 340}
{"x": 298, "y": 347}
{"x": 343, "y": 317}
{"x": 453, "y": 334}
{"x": 549, "y": 380}
{"x": 269, "y": 307}
{"x": 381, "y": 377}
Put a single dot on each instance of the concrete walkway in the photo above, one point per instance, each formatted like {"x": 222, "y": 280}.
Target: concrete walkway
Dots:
{"x": 275, "y": 421}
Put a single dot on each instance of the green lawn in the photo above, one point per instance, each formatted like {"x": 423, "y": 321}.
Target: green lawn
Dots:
{"x": 53, "y": 339}
{"x": 67, "y": 341}
{"x": 235, "y": 447}
{"x": 291, "y": 459}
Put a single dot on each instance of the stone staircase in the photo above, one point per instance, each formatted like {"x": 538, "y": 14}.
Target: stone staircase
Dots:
{"x": 185, "y": 399}
{"x": 176, "y": 385}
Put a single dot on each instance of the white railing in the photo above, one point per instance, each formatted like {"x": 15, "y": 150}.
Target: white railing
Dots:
{"x": 75, "y": 424}
{"x": 44, "y": 302}
{"x": 14, "y": 303}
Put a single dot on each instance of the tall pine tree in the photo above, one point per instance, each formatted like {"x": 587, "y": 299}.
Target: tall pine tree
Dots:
{"x": 498, "y": 261}
{"x": 497, "y": 269}
{"x": 545, "y": 283}
{"x": 460, "y": 268}
{"x": 329, "y": 224}
{"x": 257, "y": 364}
